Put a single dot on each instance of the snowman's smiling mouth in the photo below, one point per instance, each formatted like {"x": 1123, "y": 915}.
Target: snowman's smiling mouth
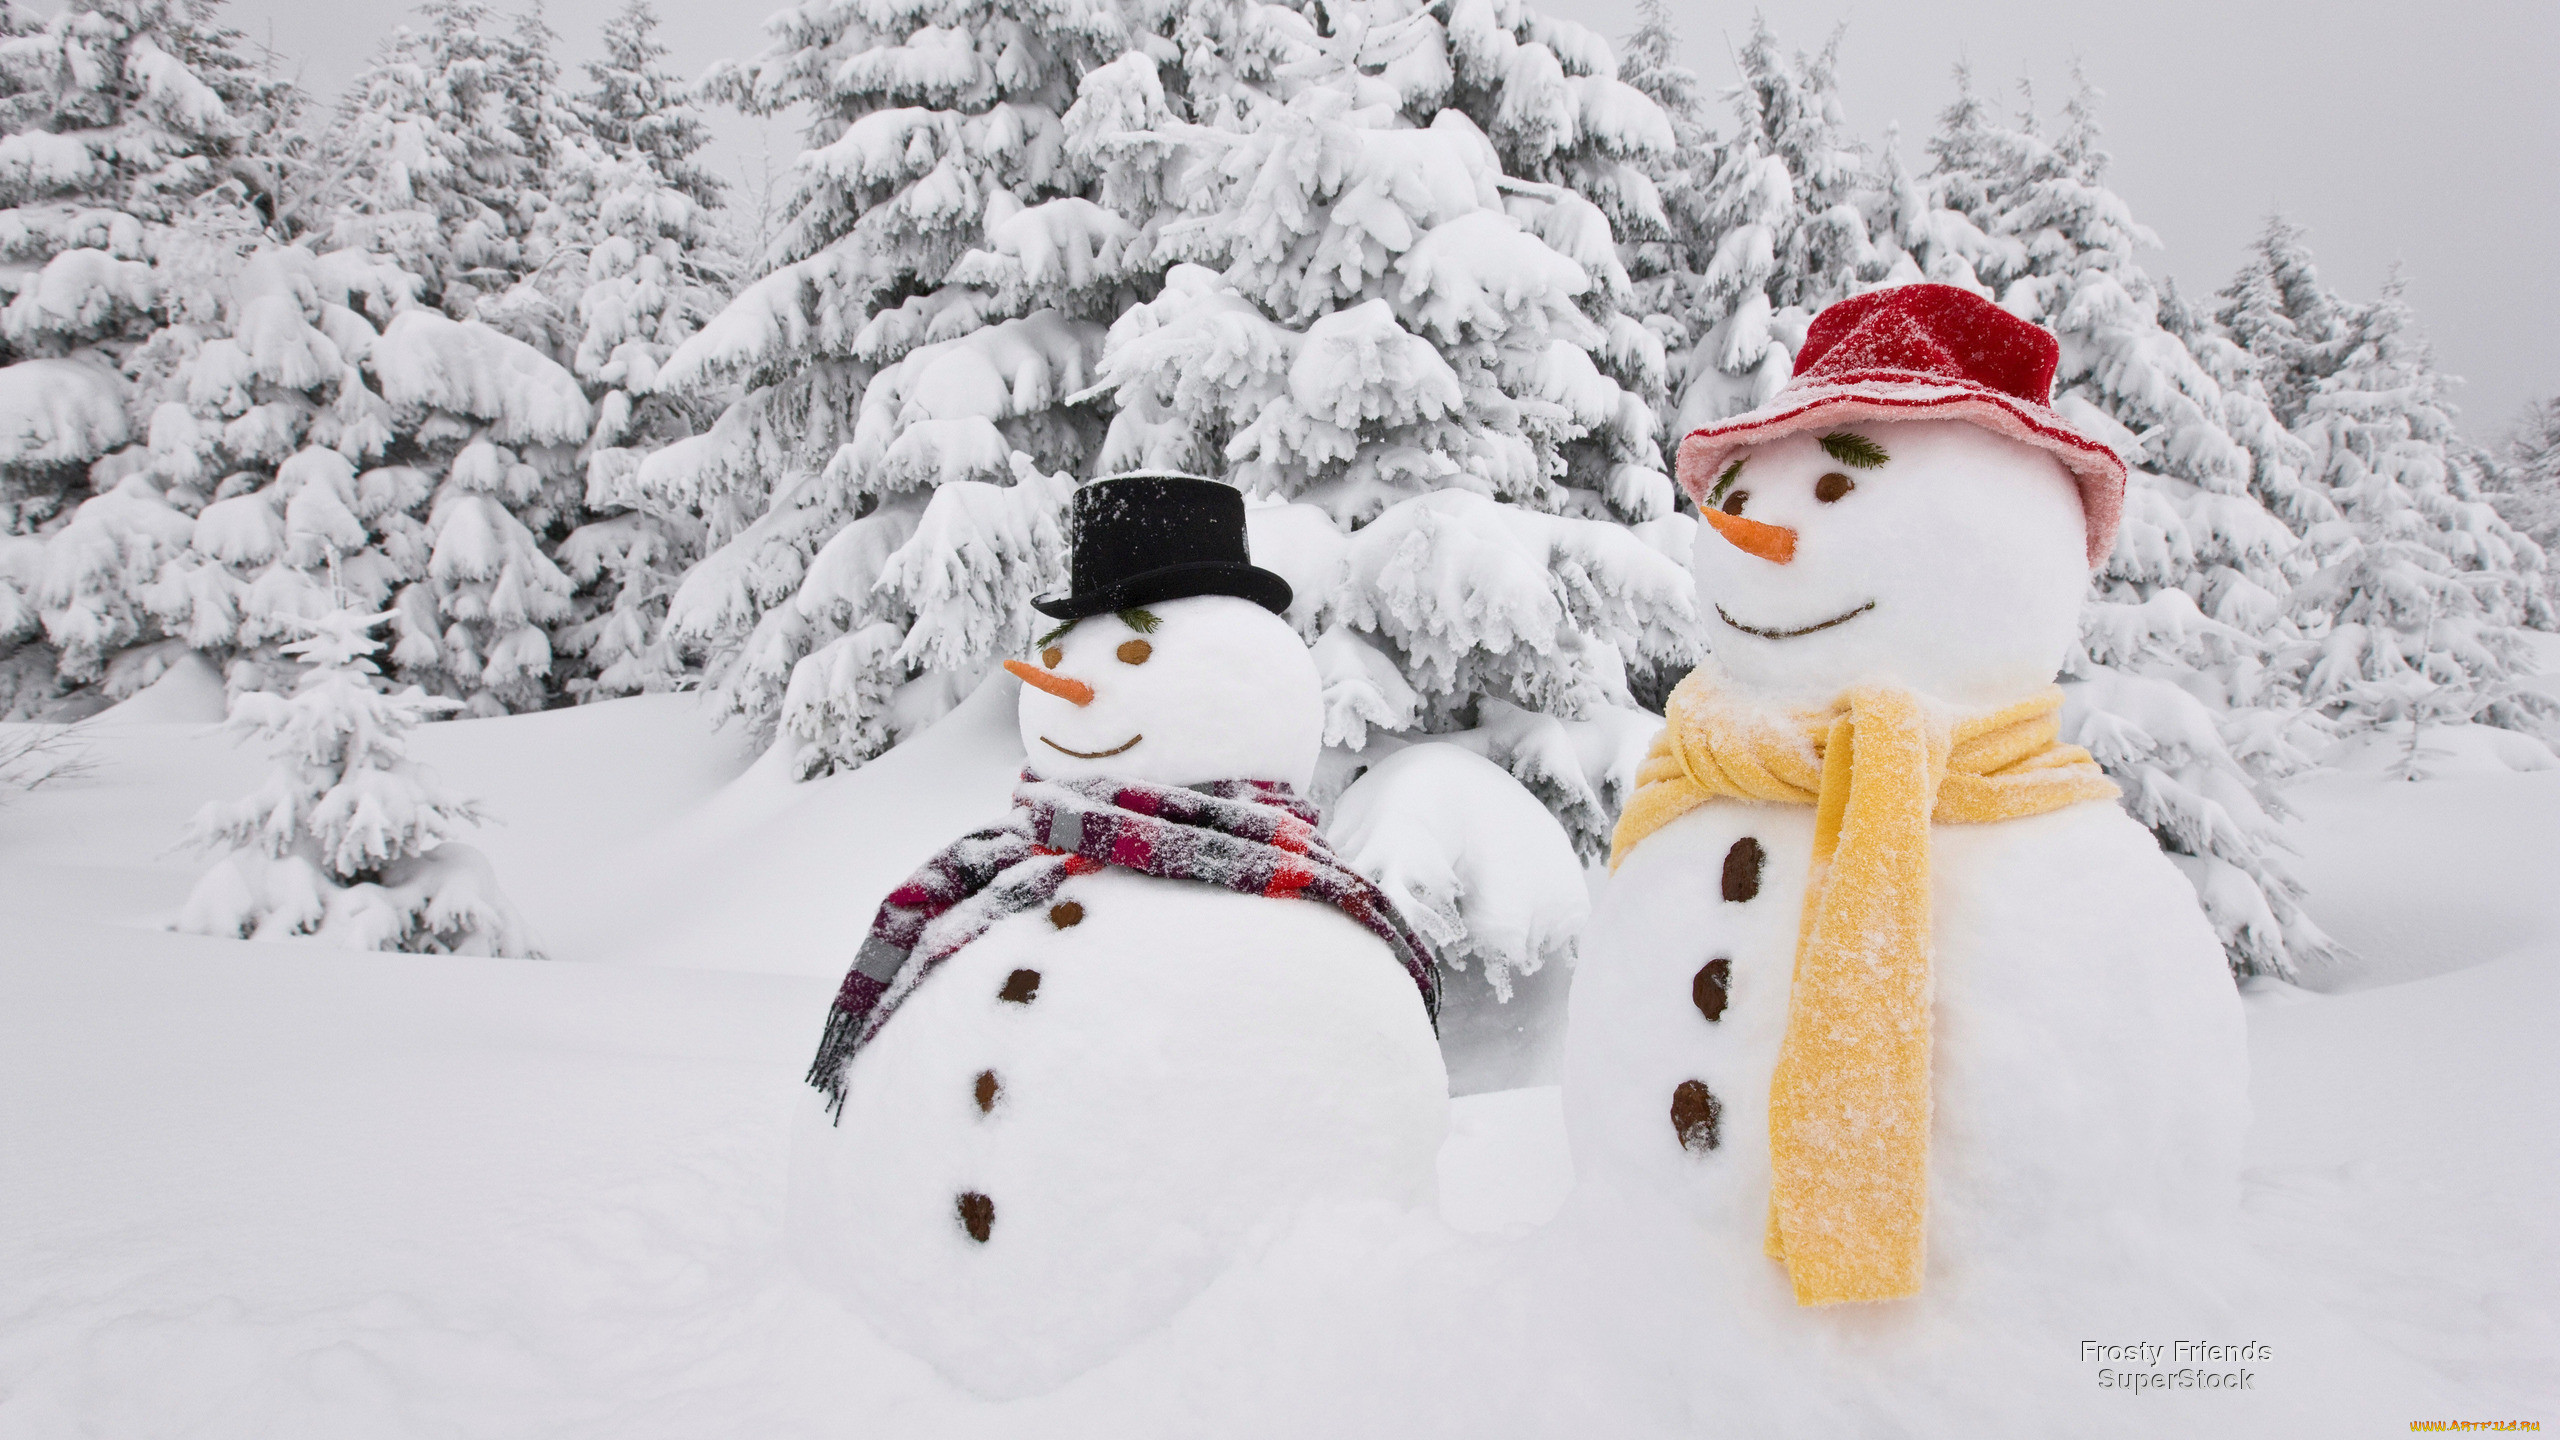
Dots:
{"x": 1791, "y": 634}
{"x": 1096, "y": 755}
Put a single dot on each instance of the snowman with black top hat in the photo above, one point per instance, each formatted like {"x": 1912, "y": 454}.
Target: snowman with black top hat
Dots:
{"x": 1083, "y": 1058}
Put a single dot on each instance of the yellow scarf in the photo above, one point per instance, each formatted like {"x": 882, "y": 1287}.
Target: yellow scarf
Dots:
{"x": 1849, "y": 1102}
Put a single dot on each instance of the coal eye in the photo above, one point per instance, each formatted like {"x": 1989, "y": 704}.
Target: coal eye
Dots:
{"x": 1135, "y": 652}
{"x": 1051, "y": 656}
{"x": 1832, "y": 486}
{"x": 1733, "y": 502}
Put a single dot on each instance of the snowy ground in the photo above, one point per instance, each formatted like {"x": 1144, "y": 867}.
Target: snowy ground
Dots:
{"x": 280, "y": 1191}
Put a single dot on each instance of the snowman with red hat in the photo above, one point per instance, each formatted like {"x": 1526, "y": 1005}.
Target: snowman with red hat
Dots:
{"x": 1083, "y": 1058}
{"x": 1890, "y": 1014}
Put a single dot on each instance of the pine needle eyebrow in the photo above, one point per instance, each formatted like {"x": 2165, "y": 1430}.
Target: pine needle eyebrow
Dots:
{"x": 1142, "y": 621}
{"x": 1724, "y": 482}
{"x": 1053, "y": 637}
{"x": 1854, "y": 450}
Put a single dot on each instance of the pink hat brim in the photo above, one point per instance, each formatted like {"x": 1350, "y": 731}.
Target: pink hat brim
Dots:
{"x": 1896, "y": 395}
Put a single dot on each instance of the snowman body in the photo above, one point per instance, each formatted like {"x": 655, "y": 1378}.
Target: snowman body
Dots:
{"x": 1082, "y": 1117}
{"x": 2088, "y": 1071}
{"x": 2089, "y": 1076}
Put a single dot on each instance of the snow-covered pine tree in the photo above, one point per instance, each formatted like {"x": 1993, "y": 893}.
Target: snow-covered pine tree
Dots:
{"x": 657, "y": 267}
{"x": 442, "y": 151}
{"x": 463, "y": 164}
{"x": 1667, "y": 268}
{"x": 491, "y": 426}
{"x": 348, "y": 842}
{"x": 278, "y": 407}
{"x": 2171, "y": 691}
{"x": 2423, "y": 587}
{"x": 2289, "y": 324}
{"x": 885, "y": 498}
{"x": 1546, "y": 92}
{"x": 2421, "y": 584}
{"x": 564, "y": 187}
{"x": 1786, "y": 208}
{"x": 1371, "y": 320}
{"x": 2526, "y": 486}
{"x": 127, "y": 173}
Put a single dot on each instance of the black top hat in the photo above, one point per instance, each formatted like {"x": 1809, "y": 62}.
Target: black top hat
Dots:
{"x": 1159, "y": 536}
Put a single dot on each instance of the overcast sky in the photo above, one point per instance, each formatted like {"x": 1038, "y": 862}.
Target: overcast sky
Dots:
{"x": 2427, "y": 134}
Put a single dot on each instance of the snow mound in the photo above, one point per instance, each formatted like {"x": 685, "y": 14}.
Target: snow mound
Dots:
{"x": 1471, "y": 858}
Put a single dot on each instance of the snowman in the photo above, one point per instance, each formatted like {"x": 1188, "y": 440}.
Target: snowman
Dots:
{"x": 1086, "y": 1058}
{"x": 1891, "y": 1024}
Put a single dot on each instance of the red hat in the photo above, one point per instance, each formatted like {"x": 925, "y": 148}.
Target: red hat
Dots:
{"x": 1923, "y": 352}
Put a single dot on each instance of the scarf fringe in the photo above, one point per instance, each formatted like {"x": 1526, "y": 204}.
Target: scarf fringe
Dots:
{"x": 835, "y": 1056}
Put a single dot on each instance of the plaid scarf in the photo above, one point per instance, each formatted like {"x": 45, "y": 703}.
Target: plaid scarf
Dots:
{"x": 1255, "y": 837}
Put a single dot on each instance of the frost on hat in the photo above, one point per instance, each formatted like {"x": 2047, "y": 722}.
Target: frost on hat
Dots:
{"x": 1923, "y": 352}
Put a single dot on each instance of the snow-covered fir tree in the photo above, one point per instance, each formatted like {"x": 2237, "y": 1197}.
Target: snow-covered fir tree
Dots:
{"x": 1667, "y": 266}
{"x": 2423, "y": 587}
{"x": 886, "y": 496}
{"x": 657, "y": 267}
{"x": 277, "y": 405}
{"x": 445, "y": 146}
{"x": 1783, "y": 206}
{"x": 1547, "y": 94}
{"x": 348, "y": 842}
{"x": 1371, "y": 319}
{"x": 491, "y": 426}
{"x": 2173, "y": 691}
{"x": 2412, "y": 614}
{"x": 2277, "y": 311}
{"x": 2526, "y": 487}
{"x": 129, "y": 169}
{"x": 372, "y": 447}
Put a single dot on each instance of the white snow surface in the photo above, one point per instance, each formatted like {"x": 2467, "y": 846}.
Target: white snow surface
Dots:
{"x": 277, "y": 1189}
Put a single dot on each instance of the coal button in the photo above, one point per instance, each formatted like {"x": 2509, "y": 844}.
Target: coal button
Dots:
{"x": 1020, "y": 986}
{"x": 1709, "y": 989}
{"x": 988, "y": 1088}
{"x": 1742, "y": 869}
{"x": 1066, "y": 913}
{"x": 1694, "y": 1113}
{"x": 977, "y": 1216}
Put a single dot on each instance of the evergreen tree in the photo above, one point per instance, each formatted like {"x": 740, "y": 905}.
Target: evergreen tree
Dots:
{"x": 491, "y": 427}
{"x": 129, "y": 173}
{"x": 2527, "y": 485}
{"x": 1787, "y": 207}
{"x": 347, "y": 842}
{"x": 657, "y": 267}
{"x": 2423, "y": 586}
{"x": 1547, "y": 94}
{"x": 2172, "y": 691}
{"x": 447, "y": 149}
{"x": 2289, "y": 324}
{"x": 565, "y": 186}
{"x": 1667, "y": 267}
{"x": 878, "y": 497}
{"x": 1368, "y": 317}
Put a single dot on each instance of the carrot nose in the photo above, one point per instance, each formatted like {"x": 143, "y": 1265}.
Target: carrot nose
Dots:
{"x": 1775, "y": 543}
{"x": 1074, "y": 692}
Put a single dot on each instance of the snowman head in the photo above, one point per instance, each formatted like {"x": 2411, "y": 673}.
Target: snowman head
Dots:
{"x": 1908, "y": 510}
{"x": 1929, "y": 555}
{"x": 1180, "y": 692}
